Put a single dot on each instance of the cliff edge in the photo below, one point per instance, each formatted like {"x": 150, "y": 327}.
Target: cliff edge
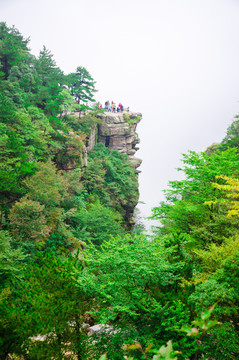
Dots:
{"x": 117, "y": 131}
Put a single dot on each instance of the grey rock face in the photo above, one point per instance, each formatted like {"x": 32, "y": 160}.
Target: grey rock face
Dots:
{"x": 91, "y": 140}
{"x": 118, "y": 132}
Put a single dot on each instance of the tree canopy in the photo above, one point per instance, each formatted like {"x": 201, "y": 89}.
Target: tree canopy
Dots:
{"x": 81, "y": 85}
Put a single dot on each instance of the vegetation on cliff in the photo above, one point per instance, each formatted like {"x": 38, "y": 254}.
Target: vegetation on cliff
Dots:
{"x": 67, "y": 257}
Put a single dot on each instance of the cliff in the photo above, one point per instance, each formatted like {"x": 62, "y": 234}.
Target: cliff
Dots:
{"x": 117, "y": 131}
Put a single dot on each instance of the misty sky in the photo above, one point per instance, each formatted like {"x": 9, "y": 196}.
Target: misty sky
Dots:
{"x": 176, "y": 61}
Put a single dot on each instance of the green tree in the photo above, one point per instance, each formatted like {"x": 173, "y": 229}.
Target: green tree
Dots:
{"x": 95, "y": 223}
{"x": 28, "y": 221}
{"x": 11, "y": 261}
{"x": 197, "y": 231}
{"x": 187, "y": 208}
{"x": 232, "y": 135}
{"x": 11, "y": 273}
{"x": 16, "y": 150}
{"x": 222, "y": 288}
{"x": 40, "y": 212}
{"x": 110, "y": 177}
{"x": 54, "y": 307}
{"x": 136, "y": 291}
{"x": 49, "y": 78}
{"x": 13, "y": 48}
{"x": 81, "y": 85}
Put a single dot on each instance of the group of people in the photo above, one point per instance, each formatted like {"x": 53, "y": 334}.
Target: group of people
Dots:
{"x": 112, "y": 107}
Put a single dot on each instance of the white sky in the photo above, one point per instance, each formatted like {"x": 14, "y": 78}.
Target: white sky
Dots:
{"x": 176, "y": 61}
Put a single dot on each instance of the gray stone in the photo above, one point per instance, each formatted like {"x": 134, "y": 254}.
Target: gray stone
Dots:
{"x": 118, "y": 133}
{"x": 91, "y": 140}
{"x": 101, "y": 328}
{"x": 136, "y": 162}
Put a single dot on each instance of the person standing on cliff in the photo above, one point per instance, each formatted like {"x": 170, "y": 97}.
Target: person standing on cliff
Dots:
{"x": 113, "y": 106}
{"x": 107, "y": 105}
{"x": 121, "y": 108}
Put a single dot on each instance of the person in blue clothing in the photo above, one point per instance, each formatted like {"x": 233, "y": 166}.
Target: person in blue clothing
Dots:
{"x": 107, "y": 105}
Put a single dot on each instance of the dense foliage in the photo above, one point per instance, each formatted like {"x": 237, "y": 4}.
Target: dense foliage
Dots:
{"x": 67, "y": 257}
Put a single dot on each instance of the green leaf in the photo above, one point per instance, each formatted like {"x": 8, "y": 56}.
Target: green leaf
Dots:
{"x": 166, "y": 352}
{"x": 103, "y": 357}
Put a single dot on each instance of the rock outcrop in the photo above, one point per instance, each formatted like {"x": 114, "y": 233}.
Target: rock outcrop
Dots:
{"x": 118, "y": 132}
{"x": 115, "y": 130}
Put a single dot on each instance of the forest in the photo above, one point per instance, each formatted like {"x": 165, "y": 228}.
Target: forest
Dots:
{"x": 70, "y": 257}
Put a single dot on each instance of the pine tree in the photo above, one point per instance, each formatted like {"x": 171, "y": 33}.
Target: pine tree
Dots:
{"x": 82, "y": 85}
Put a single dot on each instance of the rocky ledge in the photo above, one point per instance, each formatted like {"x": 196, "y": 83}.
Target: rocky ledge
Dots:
{"x": 118, "y": 132}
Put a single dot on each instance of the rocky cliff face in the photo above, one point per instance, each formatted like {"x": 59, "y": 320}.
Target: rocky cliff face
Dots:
{"x": 118, "y": 132}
